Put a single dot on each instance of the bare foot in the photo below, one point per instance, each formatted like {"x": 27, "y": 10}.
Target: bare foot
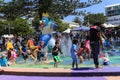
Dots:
{"x": 97, "y": 67}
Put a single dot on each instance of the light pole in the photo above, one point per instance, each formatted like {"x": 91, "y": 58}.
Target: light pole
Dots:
{"x": 9, "y": 28}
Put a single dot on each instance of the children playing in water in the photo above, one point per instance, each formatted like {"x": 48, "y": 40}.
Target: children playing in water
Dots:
{"x": 106, "y": 61}
{"x": 55, "y": 52}
{"x": 33, "y": 48}
{"x": 40, "y": 52}
{"x": 24, "y": 51}
{"x": 13, "y": 56}
{"x": 84, "y": 49}
{"x": 3, "y": 61}
{"x": 87, "y": 47}
{"x": 80, "y": 52}
{"x": 74, "y": 53}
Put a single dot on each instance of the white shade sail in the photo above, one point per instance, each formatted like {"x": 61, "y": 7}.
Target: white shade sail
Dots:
{"x": 67, "y": 30}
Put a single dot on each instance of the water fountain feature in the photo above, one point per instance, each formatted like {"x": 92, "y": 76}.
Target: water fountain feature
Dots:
{"x": 66, "y": 44}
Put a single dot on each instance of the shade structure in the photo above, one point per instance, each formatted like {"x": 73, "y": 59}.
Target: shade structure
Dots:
{"x": 81, "y": 28}
{"x": 8, "y": 36}
{"x": 67, "y": 30}
{"x": 109, "y": 25}
{"x": 54, "y": 32}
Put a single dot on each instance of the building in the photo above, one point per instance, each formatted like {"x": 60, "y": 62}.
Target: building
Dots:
{"x": 113, "y": 13}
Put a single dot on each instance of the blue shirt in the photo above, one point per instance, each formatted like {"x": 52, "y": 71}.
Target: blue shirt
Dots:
{"x": 73, "y": 50}
{"x": 3, "y": 62}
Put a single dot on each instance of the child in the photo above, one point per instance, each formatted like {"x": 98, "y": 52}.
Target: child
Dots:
{"x": 74, "y": 53}
{"x": 106, "y": 59}
{"x": 40, "y": 52}
{"x": 80, "y": 52}
{"x": 3, "y": 61}
{"x": 24, "y": 52}
{"x": 87, "y": 46}
{"x": 13, "y": 56}
{"x": 107, "y": 43}
{"x": 55, "y": 51}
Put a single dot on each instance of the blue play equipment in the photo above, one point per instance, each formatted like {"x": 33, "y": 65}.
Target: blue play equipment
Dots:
{"x": 47, "y": 36}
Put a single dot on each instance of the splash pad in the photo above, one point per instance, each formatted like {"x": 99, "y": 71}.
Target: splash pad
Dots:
{"x": 64, "y": 69}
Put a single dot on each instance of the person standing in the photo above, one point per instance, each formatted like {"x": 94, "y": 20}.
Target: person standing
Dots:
{"x": 74, "y": 51}
{"x": 95, "y": 42}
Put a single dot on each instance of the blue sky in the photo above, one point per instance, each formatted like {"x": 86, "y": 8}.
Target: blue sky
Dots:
{"x": 99, "y": 8}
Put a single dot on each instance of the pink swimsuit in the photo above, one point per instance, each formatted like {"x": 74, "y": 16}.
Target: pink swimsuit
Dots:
{"x": 87, "y": 44}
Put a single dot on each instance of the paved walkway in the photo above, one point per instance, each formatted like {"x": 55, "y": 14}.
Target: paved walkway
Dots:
{"x": 9, "y": 77}
{"x": 66, "y": 72}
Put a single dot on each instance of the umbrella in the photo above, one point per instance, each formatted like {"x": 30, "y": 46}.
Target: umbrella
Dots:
{"x": 77, "y": 29}
{"x": 84, "y": 28}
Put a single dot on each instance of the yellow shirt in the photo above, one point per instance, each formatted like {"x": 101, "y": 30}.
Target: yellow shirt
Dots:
{"x": 9, "y": 45}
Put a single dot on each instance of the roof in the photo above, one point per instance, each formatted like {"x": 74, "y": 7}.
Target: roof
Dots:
{"x": 112, "y": 5}
{"x": 68, "y": 22}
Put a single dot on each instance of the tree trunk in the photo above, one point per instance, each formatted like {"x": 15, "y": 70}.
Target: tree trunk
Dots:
{"x": 40, "y": 10}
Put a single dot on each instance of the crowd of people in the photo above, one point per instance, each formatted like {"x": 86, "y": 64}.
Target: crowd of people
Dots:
{"x": 81, "y": 48}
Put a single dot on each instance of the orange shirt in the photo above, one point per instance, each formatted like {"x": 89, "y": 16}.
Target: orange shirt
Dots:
{"x": 30, "y": 43}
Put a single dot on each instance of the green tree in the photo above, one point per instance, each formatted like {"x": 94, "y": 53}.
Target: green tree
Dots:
{"x": 35, "y": 22}
{"x": 2, "y": 27}
{"x": 15, "y": 9}
{"x": 18, "y": 8}
{"x": 21, "y": 27}
{"x": 64, "y": 7}
{"x": 1, "y": 1}
{"x": 18, "y": 26}
{"x": 92, "y": 18}
{"x": 61, "y": 26}
{"x": 56, "y": 18}
{"x": 78, "y": 20}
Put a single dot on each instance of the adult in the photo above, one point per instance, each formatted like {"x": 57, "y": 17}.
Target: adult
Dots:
{"x": 95, "y": 40}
